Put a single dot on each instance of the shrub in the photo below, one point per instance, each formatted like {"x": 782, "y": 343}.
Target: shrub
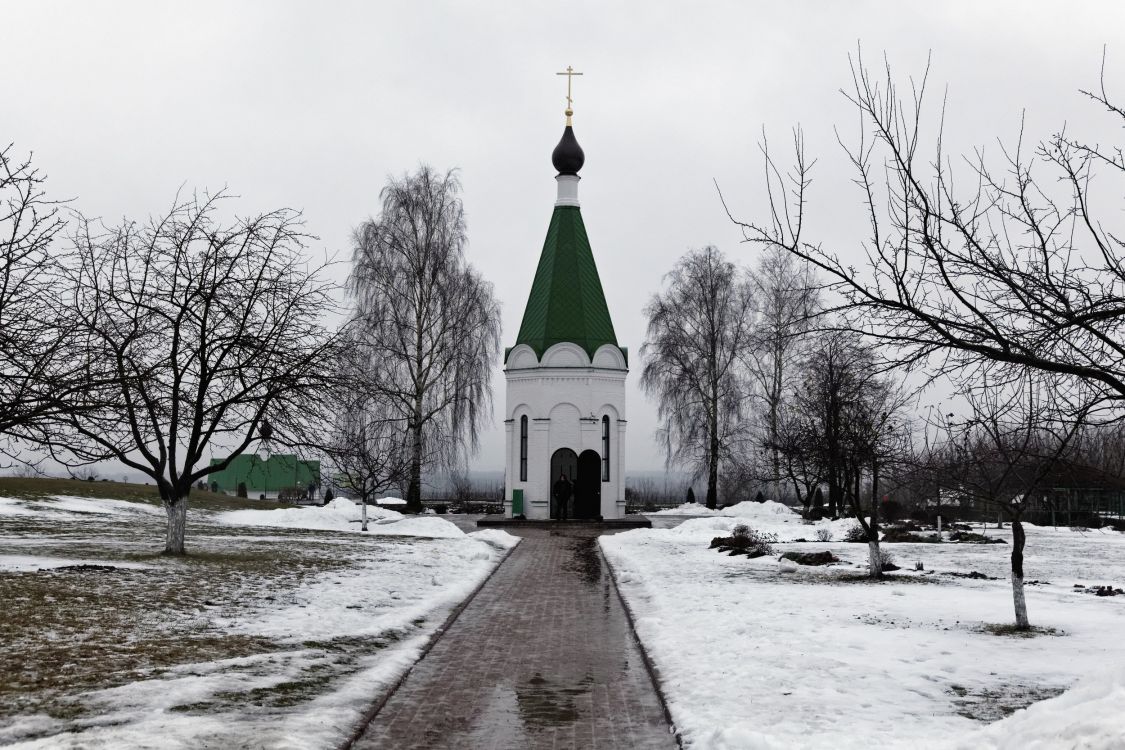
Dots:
{"x": 855, "y": 534}
{"x": 744, "y": 540}
{"x": 886, "y": 560}
{"x": 824, "y": 534}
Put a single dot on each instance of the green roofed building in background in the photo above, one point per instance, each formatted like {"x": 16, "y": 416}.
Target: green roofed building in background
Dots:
{"x": 283, "y": 476}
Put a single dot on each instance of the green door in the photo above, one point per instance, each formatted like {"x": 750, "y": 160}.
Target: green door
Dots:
{"x": 517, "y": 502}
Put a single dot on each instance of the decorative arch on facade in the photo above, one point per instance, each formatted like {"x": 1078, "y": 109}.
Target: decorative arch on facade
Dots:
{"x": 565, "y": 354}
{"x": 522, "y": 357}
{"x": 609, "y": 357}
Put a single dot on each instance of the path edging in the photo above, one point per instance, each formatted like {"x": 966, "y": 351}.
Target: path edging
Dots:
{"x": 377, "y": 706}
{"x": 650, "y": 665}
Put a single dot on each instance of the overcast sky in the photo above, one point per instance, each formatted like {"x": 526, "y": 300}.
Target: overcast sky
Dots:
{"x": 313, "y": 105}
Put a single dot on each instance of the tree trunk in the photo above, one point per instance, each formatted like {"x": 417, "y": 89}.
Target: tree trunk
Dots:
{"x": 176, "y": 508}
{"x": 363, "y": 526}
{"x": 874, "y": 561}
{"x": 414, "y": 489}
{"x": 713, "y": 460}
{"x": 1018, "y": 598}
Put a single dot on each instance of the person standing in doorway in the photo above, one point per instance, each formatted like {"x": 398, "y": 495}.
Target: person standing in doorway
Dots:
{"x": 562, "y": 496}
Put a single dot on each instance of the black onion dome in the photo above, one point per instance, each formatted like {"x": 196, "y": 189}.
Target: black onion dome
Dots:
{"x": 567, "y": 156}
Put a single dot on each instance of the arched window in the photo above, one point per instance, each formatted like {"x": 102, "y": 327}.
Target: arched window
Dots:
{"x": 605, "y": 448}
{"x": 523, "y": 448}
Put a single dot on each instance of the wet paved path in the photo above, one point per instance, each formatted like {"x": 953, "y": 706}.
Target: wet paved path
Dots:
{"x": 542, "y": 657}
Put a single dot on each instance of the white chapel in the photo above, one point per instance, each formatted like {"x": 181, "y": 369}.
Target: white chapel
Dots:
{"x": 565, "y": 375}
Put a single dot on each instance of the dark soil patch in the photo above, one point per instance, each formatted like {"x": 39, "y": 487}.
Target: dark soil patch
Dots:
{"x": 1009, "y": 629}
{"x": 972, "y": 574}
{"x": 810, "y": 558}
{"x": 992, "y": 705}
{"x": 968, "y": 537}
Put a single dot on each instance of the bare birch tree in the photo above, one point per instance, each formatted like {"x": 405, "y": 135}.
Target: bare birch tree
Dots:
{"x": 430, "y": 321}
{"x": 194, "y": 334}
{"x": 698, "y": 332}
{"x": 786, "y": 301}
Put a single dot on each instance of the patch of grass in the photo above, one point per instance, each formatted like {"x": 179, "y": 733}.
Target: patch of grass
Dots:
{"x": 67, "y": 631}
{"x": 993, "y": 705}
{"x": 32, "y": 487}
{"x": 862, "y": 578}
{"x": 1009, "y": 629}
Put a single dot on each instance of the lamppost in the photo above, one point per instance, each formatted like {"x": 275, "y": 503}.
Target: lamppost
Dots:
{"x": 265, "y": 433}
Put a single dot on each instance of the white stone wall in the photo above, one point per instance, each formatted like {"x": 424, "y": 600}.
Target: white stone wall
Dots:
{"x": 564, "y": 397}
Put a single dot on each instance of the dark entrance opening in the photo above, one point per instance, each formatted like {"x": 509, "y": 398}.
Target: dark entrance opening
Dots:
{"x": 564, "y": 461}
{"x": 588, "y": 488}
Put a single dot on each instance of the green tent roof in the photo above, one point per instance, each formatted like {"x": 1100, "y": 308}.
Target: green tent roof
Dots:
{"x": 566, "y": 301}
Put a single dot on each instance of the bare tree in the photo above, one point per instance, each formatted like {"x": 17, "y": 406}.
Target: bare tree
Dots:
{"x": 876, "y": 435}
{"x": 368, "y": 453}
{"x": 36, "y": 367}
{"x": 798, "y": 456}
{"x": 1022, "y": 423}
{"x": 430, "y": 321}
{"x": 699, "y": 329}
{"x": 368, "y": 449}
{"x": 1017, "y": 269}
{"x": 786, "y": 301}
{"x": 192, "y": 333}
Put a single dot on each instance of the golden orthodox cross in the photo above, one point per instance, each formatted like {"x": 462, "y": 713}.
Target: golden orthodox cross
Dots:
{"x": 569, "y": 73}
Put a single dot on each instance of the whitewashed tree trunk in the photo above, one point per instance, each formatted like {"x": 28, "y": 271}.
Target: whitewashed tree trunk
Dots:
{"x": 1020, "y": 602}
{"x": 364, "y": 526}
{"x": 1018, "y": 598}
{"x": 874, "y": 563}
{"x": 176, "y": 508}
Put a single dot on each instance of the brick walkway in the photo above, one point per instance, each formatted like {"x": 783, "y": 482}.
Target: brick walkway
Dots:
{"x": 542, "y": 657}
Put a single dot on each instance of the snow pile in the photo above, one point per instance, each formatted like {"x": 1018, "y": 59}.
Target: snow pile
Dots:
{"x": 344, "y": 515}
{"x": 687, "y": 509}
{"x": 386, "y": 501}
{"x": 340, "y": 514}
{"x": 1086, "y": 716}
{"x": 429, "y": 526}
{"x": 768, "y": 509}
{"x": 746, "y": 509}
{"x": 497, "y": 538}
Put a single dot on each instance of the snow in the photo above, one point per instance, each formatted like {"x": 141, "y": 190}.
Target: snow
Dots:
{"x": 345, "y": 515}
{"x": 739, "y": 510}
{"x": 391, "y": 501}
{"x": 750, "y": 658}
{"x": 65, "y": 505}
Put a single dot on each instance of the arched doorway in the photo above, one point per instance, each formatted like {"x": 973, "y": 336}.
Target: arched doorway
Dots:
{"x": 588, "y": 488}
{"x": 563, "y": 461}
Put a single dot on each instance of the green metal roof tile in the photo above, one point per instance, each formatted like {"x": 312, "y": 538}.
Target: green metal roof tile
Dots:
{"x": 566, "y": 301}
